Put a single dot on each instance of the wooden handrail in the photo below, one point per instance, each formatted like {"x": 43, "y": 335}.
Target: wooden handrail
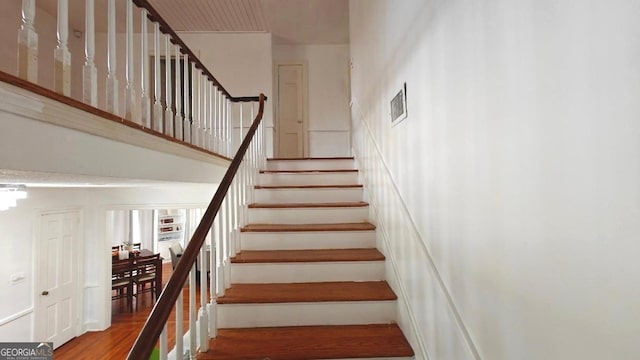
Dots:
{"x": 154, "y": 15}
{"x": 147, "y": 338}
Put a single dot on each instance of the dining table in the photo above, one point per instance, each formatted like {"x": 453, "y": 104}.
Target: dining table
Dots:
{"x": 144, "y": 253}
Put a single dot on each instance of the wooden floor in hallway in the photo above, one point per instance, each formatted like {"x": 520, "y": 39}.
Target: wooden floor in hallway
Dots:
{"x": 115, "y": 342}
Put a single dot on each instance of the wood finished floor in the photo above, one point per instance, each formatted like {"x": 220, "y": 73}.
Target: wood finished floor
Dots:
{"x": 115, "y": 342}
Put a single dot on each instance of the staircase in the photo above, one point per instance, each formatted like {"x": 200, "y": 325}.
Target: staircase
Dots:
{"x": 308, "y": 282}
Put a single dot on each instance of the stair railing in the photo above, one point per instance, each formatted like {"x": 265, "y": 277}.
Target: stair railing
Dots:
{"x": 224, "y": 217}
{"x": 189, "y": 107}
{"x": 164, "y": 90}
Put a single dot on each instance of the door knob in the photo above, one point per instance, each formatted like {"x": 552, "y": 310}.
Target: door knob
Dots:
{"x": 45, "y": 293}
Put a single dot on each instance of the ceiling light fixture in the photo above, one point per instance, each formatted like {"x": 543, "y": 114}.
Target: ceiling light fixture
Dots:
{"x": 10, "y": 194}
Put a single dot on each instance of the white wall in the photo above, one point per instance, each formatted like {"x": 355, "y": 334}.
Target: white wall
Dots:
{"x": 18, "y": 239}
{"x": 328, "y": 95}
{"x": 242, "y": 63}
{"x": 508, "y": 200}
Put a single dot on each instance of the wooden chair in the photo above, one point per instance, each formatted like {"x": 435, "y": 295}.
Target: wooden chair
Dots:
{"x": 145, "y": 276}
{"x": 137, "y": 246}
{"x": 122, "y": 281}
{"x": 115, "y": 248}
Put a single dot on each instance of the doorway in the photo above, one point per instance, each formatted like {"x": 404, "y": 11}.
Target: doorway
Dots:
{"x": 291, "y": 122}
{"x": 58, "y": 272}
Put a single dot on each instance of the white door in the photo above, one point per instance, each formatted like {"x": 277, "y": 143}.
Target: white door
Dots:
{"x": 290, "y": 111}
{"x": 57, "y": 282}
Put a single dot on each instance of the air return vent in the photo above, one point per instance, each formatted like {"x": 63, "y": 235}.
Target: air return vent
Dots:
{"x": 399, "y": 105}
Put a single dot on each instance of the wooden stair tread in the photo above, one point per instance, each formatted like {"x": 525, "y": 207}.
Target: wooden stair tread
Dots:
{"x": 323, "y": 255}
{"x": 307, "y": 186}
{"x": 307, "y": 292}
{"x": 364, "y": 226}
{"x": 309, "y": 342}
{"x": 346, "y": 204}
{"x": 313, "y": 158}
{"x": 307, "y": 171}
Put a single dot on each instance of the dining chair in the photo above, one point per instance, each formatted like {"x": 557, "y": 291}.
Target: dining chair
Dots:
{"x": 115, "y": 248}
{"x": 176, "y": 252}
{"x": 122, "y": 281}
{"x": 137, "y": 246}
{"x": 145, "y": 276}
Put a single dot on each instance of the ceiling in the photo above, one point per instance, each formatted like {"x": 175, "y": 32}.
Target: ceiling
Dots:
{"x": 290, "y": 21}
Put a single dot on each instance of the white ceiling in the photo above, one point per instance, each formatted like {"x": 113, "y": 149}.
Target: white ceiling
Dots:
{"x": 290, "y": 21}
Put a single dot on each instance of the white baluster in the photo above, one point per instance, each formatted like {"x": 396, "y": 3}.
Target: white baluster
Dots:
{"x": 62, "y": 56}
{"x": 158, "y": 110}
{"x": 168, "y": 114}
{"x": 186, "y": 129}
{"x": 212, "y": 117}
{"x": 227, "y": 235}
{"x": 178, "y": 101}
{"x": 195, "y": 127}
{"x": 145, "y": 94}
{"x": 179, "y": 119}
{"x": 205, "y": 113}
{"x": 204, "y": 316}
{"x": 180, "y": 326}
{"x": 223, "y": 124}
{"x": 112, "y": 80}
{"x": 213, "y": 328}
{"x": 216, "y": 120}
{"x": 192, "y": 313}
{"x": 89, "y": 71}
{"x": 220, "y": 128}
{"x": 202, "y": 102}
{"x": 218, "y": 226}
{"x": 164, "y": 342}
{"x": 229, "y": 124}
{"x": 194, "y": 104}
{"x": 130, "y": 92}
{"x": 28, "y": 43}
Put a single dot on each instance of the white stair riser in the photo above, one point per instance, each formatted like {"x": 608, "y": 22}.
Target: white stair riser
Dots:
{"x": 320, "y": 164}
{"x": 331, "y": 215}
{"x": 306, "y": 240}
{"x": 299, "y": 314}
{"x": 299, "y": 272}
{"x": 315, "y": 178}
{"x": 307, "y": 195}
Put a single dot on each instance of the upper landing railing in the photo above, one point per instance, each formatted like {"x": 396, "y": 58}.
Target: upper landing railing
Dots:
{"x": 164, "y": 89}
{"x": 169, "y": 93}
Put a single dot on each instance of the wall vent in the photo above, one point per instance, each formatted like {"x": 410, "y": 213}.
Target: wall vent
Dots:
{"x": 399, "y": 105}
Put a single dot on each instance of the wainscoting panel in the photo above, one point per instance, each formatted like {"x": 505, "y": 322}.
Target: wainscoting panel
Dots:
{"x": 426, "y": 312}
{"x": 329, "y": 143}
